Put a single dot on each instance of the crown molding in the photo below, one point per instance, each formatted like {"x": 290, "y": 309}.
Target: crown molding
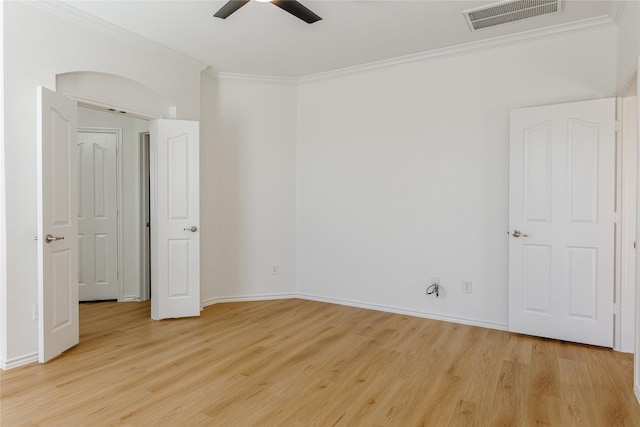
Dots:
{"x": 75, "y": 15}
{"x": 508, "y": 40}
{"x": 255, "y": 78}
{"x": 209, "y": 72}
{"x": 70, "y": 13}
{"x": 615, "y": 10}
{"x": 630, "y": 84}
{"x": 558, "y": 30}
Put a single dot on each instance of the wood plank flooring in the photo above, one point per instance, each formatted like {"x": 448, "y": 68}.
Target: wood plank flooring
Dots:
{"x": 304, "y": 363}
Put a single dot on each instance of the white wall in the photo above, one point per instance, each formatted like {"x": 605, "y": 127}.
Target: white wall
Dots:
{"x": 248, "y": 189}
{"x": 3, "y": 223}
{"x": 131, "y": 186}
{"x": 636, "y": 366}
{"x": 403, "y": 172}
{"x": 628, "y": 45}
{"x": 41, "y": 42}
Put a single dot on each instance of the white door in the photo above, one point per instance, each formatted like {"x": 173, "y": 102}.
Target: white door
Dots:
{"x": 175, "y": 238}
{"x": 561, "y": 244}
{"x": 97, "y": 216}
{"x": 57, "y": 224}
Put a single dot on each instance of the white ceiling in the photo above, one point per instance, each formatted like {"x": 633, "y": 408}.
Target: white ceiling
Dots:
{"x": 263, "y": 39}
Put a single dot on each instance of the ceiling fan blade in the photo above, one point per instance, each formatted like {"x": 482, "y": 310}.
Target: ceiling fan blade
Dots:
{"x": 298, "y": 10}
{"x": 230, "y": 7}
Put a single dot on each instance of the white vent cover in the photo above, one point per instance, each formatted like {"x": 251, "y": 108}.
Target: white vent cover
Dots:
{"x": 509, "y": 11}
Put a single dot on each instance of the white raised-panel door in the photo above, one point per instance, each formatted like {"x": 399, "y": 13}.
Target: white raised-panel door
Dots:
{"x": 57, "y": 224}
{"x": 97, "y": 216}
{"x": 175, "y": 219}
{"x": 561, "y": 243}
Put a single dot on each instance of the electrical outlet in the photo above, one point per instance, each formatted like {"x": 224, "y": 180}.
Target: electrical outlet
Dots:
{"x": 435, "y": 280}
{"x": 467, "y": 287}
{"x": 275, "y": 269}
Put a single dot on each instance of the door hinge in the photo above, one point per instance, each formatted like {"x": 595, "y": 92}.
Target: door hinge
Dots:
{"x": 618, "y": 125}
{"x": 616, "y": 309}
{"x": 616, "y": 217}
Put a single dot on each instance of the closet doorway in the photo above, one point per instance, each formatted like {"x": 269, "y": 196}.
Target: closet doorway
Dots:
{"x": 113, "y": 206}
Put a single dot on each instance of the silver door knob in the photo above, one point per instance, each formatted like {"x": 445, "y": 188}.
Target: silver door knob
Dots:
{"x": 517, "y": 233}
{"x": 192, "y": 229}
{"x": 49, "y": 238}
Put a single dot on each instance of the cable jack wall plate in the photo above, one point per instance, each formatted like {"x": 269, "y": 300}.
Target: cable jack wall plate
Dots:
{"x": 467, "y": 287}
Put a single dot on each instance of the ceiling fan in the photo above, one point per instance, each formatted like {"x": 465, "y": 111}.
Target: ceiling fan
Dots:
{"x": 292, "y": 6}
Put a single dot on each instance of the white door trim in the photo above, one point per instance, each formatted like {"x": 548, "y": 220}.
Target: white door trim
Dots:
{"x": 626, "y": 208}
{"x": 95, "y": 105}
{"x": 120, "y": 218}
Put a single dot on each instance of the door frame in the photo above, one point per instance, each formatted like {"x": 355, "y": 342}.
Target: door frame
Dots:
{"x": 625, "y": 254}
{"x": 120, "y": 218}
{"x": 96, "y": 105}
{"x": 145, "y": 216}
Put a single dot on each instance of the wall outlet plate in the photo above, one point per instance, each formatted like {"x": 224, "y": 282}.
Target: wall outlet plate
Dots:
{"x": 467, "y": 287}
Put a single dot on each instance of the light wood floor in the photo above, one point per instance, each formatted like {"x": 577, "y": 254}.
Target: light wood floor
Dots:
{"x": 303, "y": 363}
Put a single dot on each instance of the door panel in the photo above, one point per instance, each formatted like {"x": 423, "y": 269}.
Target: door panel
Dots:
{"x": 583, "y": 170}
{"x": 57, "y": 224}
{"x": 537, "y": 176}
{"x": 178, "y": 171}
{"x": 537, "y": 278}
{"x": 179, "y": 250}
{"x": 97, "y": 215}
{"x": 583, "y": 282}
{"x": 561, "y": 263}
{"x": 175, "y": 238}
{"x": 62, "y": 314}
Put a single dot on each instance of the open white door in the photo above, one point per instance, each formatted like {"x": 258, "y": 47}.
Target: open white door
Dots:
{"x": 57, "y": 224}
{"x": 561, "y": 245}
{"x": 175, "y": 218}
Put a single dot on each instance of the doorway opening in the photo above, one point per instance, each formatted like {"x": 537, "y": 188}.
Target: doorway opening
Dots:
{"x": 174, "y": 211}
{"x": 113, "y": 215}
{"x": 145, "y": 200}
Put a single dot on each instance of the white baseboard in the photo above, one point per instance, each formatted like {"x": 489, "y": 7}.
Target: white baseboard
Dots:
{"x": 18, "y": 361}
{"x": 391, "y": 309}
{"x": 351, "y": 303}
{"x": 255, "y": 297}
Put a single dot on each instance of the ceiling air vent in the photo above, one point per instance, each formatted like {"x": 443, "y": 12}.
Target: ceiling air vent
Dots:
{"x": 509, "y": 11}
